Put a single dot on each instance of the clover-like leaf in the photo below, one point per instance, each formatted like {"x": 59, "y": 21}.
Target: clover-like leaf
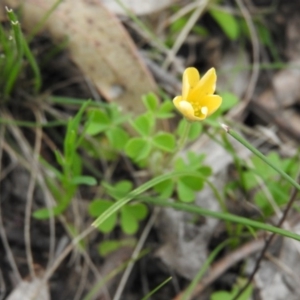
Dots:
{"x": 98, "y": 207}
{"x": 165, "y": 188}
{"x": 250, "y": 181}
{"x": 165, "y": 110}
{"x": 180, "y": 164}
{"x": 116, "y": 114}
{"x": 138, "y": 210}
{"x": 138, "y": 148}
{"x": 205, "y": 171}
{"x": 194, "y": 183}
{"x": 165, "y": 141}
{"x": 117, "y": 137}
{"x": 185, "y": 193}
{"x": 143, "y": 124}
{"x": 150, "y": 101}
{"x": 119, "y": 190}
{"x": 129, "y": 223}
{"x": 98, "y": 122}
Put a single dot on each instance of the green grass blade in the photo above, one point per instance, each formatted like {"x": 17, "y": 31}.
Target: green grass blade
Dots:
{"x": 8, "y": 56}
{"x": 16, "y": 30}
{"x": 14, "y": 63}
{"x": 141, "y": 189}
{"x": 224, "y": 216}
{"x": 33, "y": 124}
{"x": 188, "y": 293}
{"x": 240, "y": 139}
{"x": 34, "y": 66}
{"x": 22, "y": 49}
{"x": 156, "y": 289}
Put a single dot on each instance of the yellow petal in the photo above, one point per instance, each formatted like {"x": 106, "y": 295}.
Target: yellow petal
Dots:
{"x": 190, "y": 79}
{"x": 176, "y": 101}
{"x": 205, "y": 86}
{"x": 185, "y": 108}
{"x": 212, "y": 102}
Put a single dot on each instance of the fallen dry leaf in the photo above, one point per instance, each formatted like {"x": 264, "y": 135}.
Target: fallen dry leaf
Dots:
{"x": 98, "y": 44}
{"x": 137, "y": 7}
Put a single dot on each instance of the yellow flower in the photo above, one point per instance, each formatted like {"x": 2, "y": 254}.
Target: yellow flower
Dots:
{"x": 197, "y": 101}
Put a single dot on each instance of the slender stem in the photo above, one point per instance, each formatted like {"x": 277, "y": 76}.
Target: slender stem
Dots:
{"x": 157, "y": 288}
{"x": 223, "y": 216}
{"x": 181, "y": 142}
{"x": 184, "y": 136}
{"x": 236, "y": 136}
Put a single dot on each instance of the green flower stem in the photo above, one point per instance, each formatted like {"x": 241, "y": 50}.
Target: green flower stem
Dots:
{"x": 184, "y": 136}
{"x": 141, "y": 189}
{"x": 223, "y": 216}
{"x": 181, "y": 143}
{"x": 236, "y": 136}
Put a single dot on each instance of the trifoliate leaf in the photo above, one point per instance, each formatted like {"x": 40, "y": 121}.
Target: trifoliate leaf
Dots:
{"x": 129, "y": 223}
{"x": 165, "y": 141}
{"x": 194, "y": 183}
{"x": 143, "y": 124}
{"x": 150, "y": 101}
{"x": 165, "y": 110}
{"x": 138, "y": 210}
{"x": 165, "y": 188}
{"x": 98, "y": 122}
{"x": 185, "y": 193}
{"x": 96, "y": 208}
{"x": 117, "y": 137}
{"x": 138, "y": 148}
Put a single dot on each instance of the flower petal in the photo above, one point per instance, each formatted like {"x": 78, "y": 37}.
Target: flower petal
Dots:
{"x": 212, "y": 102}
{"x": 187, "y": 111}
{"x": 190, "y": 79}
{"x": 205, "y": 86}
{"x": 176, "y": 101}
